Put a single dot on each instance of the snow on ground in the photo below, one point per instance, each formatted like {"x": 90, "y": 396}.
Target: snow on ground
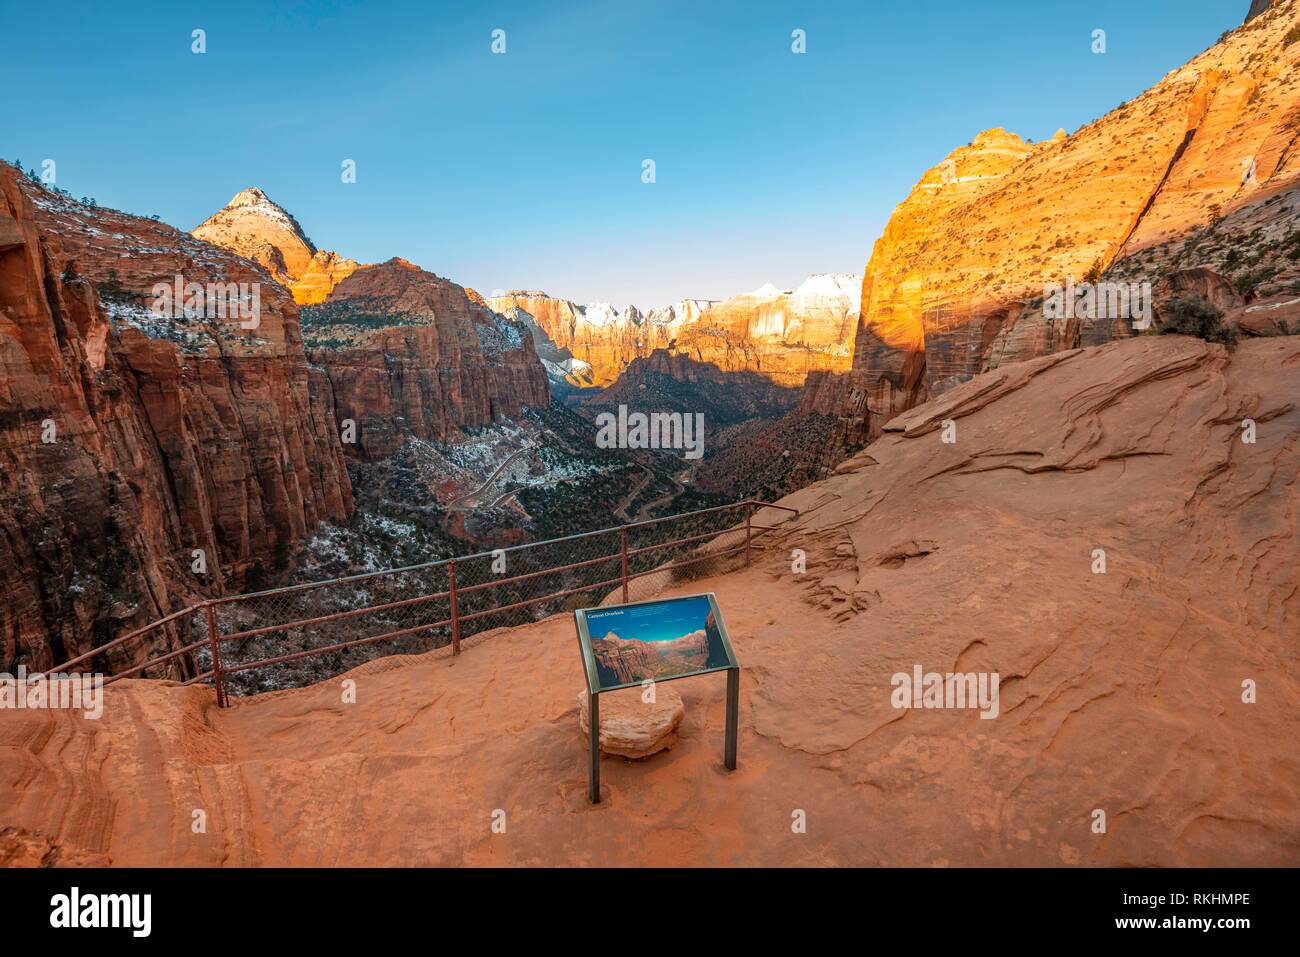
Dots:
{"x": 500, "y": 335}
{"x": 192, "y": 336}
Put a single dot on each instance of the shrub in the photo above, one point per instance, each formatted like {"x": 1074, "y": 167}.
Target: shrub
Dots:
{"x": 1194, "y": 316}
{"x": 1292, "y": 36}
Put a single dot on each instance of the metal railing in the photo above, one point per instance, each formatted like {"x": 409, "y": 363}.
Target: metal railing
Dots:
{"x": 299, "y": 634}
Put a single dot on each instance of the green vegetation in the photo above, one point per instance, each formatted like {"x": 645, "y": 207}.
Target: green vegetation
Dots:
{"x": 1194, "y": 316}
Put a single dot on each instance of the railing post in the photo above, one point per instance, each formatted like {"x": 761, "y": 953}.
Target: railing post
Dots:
{"x": 749, "y": 518}
{"x": 623, "y": 549}
{"x": 455, "y": 610}
{"x": 218, "y": 680}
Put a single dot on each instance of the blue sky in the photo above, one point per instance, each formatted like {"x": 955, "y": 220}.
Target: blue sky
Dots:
{"x": 661, "y": 621}
{"x": 524, "y": 169}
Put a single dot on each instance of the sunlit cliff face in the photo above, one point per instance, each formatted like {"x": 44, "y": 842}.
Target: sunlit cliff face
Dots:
{"x": 996, "y": 221}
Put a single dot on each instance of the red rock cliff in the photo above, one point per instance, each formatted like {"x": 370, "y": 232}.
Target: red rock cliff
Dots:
{"x": 163, "y": 436}
{"x": 952, "y": 284}
{"x": 410, "y": 353}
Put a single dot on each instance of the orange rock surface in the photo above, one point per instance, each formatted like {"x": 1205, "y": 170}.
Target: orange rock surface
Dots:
{"x": 782, "y": 335}
{"x": 1120, "y": 691}
{"x": 253, "y": 226}
{"x": 325, "y": 271}
{"x": 410, "y": 353}
{"x": 950, "y": 287}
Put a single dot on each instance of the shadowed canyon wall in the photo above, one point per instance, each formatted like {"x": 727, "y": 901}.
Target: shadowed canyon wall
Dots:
{"x": 129, "y": 440}
{"x": 410, "y": 353}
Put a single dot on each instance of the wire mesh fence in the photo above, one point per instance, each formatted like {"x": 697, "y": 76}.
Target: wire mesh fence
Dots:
{"x": 293, "y": 636}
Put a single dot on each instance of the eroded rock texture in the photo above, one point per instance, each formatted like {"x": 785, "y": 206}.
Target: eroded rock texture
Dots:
{"x": 1119, "y": 691}
{"x": 130, "y": 439}
{"x": 409, "y": 353}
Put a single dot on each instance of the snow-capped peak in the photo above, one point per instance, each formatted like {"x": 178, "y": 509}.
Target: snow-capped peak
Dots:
{"x": 765, "y": 291}
{"x": 833, "y": 285}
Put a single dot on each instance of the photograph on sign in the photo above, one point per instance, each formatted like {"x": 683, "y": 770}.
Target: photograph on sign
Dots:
{"x": 655, "y": 640}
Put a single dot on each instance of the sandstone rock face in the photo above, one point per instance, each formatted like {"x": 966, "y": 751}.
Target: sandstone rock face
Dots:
{"x": 1120, "y": 690}
{"x": 130, "y": 439}
{"x": 601, "y": 337}
{"x": 253, "y": 226}
{"x": 782, "y": 335}
{"x": 633, "y": 728}
{"x": 955, "y": 284}
{"x": 325, "y": 271}
{"x": 409, "y": 353}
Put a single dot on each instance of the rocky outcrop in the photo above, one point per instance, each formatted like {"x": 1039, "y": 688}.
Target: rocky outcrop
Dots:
{"x": 253, "y": 226}
{"x": 325, "y": 271}
{"x": 630, "y": 726}
{"x": 1120, "y": 690}
{"x": 408, "y": 353}
{"x": 130, "y": 439}
{"x": 622, "y": 661}
{"x": 784, "y": 336}
{"x": 604, "y": 339}
{"x": 1260, "y": 6}
{"x": 956, "y": 283}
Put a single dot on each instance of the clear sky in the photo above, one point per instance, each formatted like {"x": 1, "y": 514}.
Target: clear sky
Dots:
{"x": 524, "y": 170}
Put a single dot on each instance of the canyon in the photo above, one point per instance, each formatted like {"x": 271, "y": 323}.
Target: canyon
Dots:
{"x": 631, "y": 660}
{"x": 1120, "y": 690}
{"x": 180, "y": 443}
{"x": 1103, "y": 515}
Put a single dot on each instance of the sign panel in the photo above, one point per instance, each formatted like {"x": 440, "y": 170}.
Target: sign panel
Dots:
{"x": 625, "y": 645}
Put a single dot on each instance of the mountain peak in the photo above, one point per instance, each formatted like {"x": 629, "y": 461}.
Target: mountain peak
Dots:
{"x": 256, "y": 227}
{"x": 249, "y": 197}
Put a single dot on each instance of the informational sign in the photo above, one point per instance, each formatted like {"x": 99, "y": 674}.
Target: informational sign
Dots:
{"x": 624, "y": 646}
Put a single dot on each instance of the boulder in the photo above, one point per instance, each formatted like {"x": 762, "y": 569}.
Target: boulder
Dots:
{"x": 632, "y": 728}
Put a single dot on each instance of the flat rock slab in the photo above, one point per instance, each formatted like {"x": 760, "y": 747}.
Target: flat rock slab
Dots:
{"x": 631, "y": 727}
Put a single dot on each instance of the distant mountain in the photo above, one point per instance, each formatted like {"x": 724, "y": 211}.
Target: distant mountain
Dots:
{"x": 782, "y": 335}
{"x": 252, "y": 225}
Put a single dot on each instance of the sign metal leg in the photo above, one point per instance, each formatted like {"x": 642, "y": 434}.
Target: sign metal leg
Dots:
{"x": 733, "y": 717}
{"x": 593, "y": 716}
